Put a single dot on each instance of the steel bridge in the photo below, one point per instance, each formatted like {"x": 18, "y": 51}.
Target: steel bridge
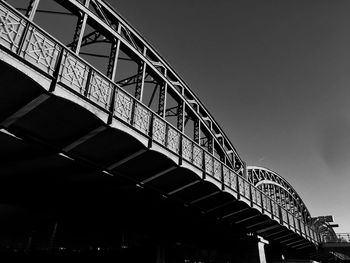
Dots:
{"x": 97, "y": 110}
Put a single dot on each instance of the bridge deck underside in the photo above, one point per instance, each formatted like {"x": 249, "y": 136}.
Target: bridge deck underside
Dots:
{"x": 54, "y": 157}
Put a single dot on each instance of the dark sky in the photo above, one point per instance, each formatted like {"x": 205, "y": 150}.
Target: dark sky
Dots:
{"x": 275, "y": 75}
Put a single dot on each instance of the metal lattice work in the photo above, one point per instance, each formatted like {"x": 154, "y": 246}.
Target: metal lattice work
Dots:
{"x": 161, "y": 116}
{"x": 275, "y": 186}
{"x": 11, "y": 28}
{"x": 151, "y": 69}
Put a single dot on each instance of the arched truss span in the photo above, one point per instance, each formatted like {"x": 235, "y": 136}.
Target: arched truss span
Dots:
{"x": 150, "y": 79}
{"x": 275, "y": 186}
{"x": 148, "y": 97}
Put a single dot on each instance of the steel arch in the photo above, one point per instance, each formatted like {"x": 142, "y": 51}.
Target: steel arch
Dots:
{"x": 209, "y": 149}
{"x": 275, "y": 186}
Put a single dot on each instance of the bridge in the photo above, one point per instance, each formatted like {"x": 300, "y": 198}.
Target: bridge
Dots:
{"x": 104, "y": 146}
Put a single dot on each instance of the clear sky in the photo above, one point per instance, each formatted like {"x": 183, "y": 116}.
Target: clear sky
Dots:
{"x": 275, "y": 76}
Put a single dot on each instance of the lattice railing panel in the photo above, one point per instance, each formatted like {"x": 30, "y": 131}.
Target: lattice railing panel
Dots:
{"x": 186, "y": 149}
{"x": 159, "y": 129}
{"x": 275, "y": 209}
{"x": 40, "y": 50}
{"x": 291, "y": 220}
{"x": 217, "y": 169}
{"x": 258, "y": 197}
{"x": 226, "y": 176}
{"x": 142, "y": 118}
{"x": 297, "y": 226}
{"x": 11, "y": 29}
{"x": 100, "y": 90}
{"x": 266, "y": 203}
{"x": 241, "y": 186}
{"x": 254, "y": 193}
{"x": 284, "y": 215}
{"x": 74, "y": 73}
{"x": 208, "y": 160}
{"x": 233, "y": 178}
{"x": 246, "y": 189}
{"x": 173, "y": 140}
{"x": 123, "y": 106}
{"x": 197, "y": 156}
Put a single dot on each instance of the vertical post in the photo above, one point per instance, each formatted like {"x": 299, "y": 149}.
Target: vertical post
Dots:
{"x": 79, "y": 30}
{"x": 79, "y": 33}
{"x": 113, "y": 60}
{"x": 29, "y": 243}
{"x": 162, "y": 99}
{"x": 210, "y": 144}
{"x": 140, "y": 79}
{"x": 150, "y": 130}
{"x": 270, "y": 204}
{"x": 160, "y": 254}
{"x": 111, "y": 72}
{"x": 31, "y": 10}
{"x": 222, "y": 176}
{"x": 196, "y": 135}
{"x": 53, "y": 236}
{"x": 237, "y": 186}
{"x": 181, "y": 116}
{"x": 250, "y": 193}
{"x": 57, "y": 71}
{"x": 181, "y": 125}
{"x": 261, "y": 249}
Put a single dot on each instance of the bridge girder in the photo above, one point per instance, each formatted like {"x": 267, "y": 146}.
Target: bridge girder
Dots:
{"x": 210, "y": 153}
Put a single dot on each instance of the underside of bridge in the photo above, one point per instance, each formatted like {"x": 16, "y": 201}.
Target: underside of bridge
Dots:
{"x": 55, "y": 191}
{"x": 69, "y": 181}
{"x": 89, "y": 165}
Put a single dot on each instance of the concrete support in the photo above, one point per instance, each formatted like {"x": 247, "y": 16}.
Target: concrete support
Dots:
{"x": 273, "y": 253}
{"x": 250, "y": 251}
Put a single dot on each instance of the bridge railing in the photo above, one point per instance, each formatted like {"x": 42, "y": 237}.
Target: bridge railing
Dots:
{"x": 34, "y": 47}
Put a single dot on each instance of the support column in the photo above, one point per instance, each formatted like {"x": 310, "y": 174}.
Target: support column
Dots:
{"x": 249, "y": 251}
{"x": 160, "y": 257}
{"x": 273, "y": 253}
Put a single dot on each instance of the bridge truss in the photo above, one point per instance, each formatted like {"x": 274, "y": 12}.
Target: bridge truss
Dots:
{"x": 142, "y": 91}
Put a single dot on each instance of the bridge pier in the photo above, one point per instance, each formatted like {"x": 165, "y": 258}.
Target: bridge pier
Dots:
{"x": 273, "y": 253}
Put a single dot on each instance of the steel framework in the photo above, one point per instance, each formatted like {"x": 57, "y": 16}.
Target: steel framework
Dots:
{"x": 206, "y": 147}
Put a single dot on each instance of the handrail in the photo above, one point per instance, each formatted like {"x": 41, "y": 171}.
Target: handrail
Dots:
{"x": 56, "y": 61}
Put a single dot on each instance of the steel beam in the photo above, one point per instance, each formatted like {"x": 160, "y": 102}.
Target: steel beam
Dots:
{"x": 113, "y": 60}
{"x": 126, "y": 159}
{"x": 234, "y": 213}
{"x": 260, "y": 223}
{"x": 24, "y": 110}
{"x": 79, "y": 33}
{"x": 268, "y": 229}
{"x": 204, "y": 197}
{"x": 84, "y": 138}
{"x": 220, "y": 206}
{"x": 157, "y": 175}
{"x": 31, "y": 10}
{"x": 183, "y": 187}
{"x": 246, "y": 219}
{"x": 140, "y": 78}
{"x": 284, "y": 236}
{"x": 296, "y": 242}
{"x": 162, "y": 100}
{"x": 287, "y": 240}
{"x": 302, "y": 246}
